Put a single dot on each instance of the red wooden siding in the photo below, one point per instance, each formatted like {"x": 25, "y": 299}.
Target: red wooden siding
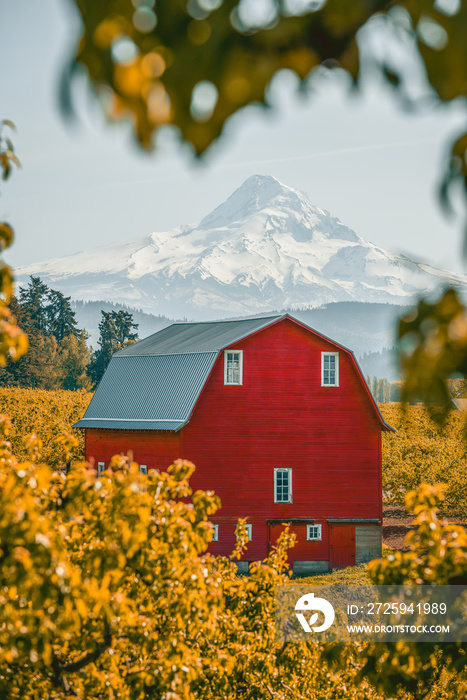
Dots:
{"x": 227, "y": 526}
{"x": 279, "y": 417}
{"x": 304, "y": 550}
{"x": 156, "y": 450}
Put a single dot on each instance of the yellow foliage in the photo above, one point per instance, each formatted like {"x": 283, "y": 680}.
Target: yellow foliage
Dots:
{"x": 437, "y": 554}
{"x": 106, "y": 583}
{"x": 422, "y": 451}
{"x": 48, "y": 415}
{"x": 13, "y": 342}
{"x": 107, "y": 590}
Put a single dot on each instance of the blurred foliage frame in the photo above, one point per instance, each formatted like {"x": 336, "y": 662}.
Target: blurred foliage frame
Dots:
{"x": 85, "y": 593}
{"x": 13, "y": 342}
{"x": 193, "y": 64}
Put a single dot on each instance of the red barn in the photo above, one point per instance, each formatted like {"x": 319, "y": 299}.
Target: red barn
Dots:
{"x": 278, "y": 420}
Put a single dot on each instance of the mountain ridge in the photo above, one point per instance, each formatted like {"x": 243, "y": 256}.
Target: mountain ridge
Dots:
{"x": 265, "y": 247}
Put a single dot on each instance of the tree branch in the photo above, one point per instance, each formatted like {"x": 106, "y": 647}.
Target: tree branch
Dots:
{"x": 59, "y": 680}
{"x": 93, "y": 655}
{"x": 60, "y": 669}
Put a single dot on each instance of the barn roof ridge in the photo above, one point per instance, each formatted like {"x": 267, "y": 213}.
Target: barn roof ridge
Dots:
{"x": 197, "y": 337}
{"x": 165, "y": 354}
{"x": 227, "y": 320}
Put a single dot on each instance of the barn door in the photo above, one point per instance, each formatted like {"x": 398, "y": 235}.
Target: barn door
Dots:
{"x": 341, "y": 545}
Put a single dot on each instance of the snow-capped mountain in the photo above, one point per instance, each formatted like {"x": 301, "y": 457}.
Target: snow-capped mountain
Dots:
{"x": 265, "y": 248}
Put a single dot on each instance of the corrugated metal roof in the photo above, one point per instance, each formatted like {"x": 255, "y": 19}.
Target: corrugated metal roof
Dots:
{"x": 196, "y": 337}
{"x": 136, "y": 390}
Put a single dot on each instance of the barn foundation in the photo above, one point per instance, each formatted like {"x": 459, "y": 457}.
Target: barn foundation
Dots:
{"x": 368, "y": 543}
{"x": 307, "y": 568}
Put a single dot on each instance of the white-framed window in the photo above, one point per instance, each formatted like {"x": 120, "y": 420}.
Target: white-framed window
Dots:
{"x": 143, "y": 468}
{"x": 282, "y": 485}
{"x": 313, "y": 532}
{"x": 215, "y": 537}
{"x": 329, "y": 369}
{"x": 100, "y": 468}
{"x": 233, "y": 366}
{"x": 249, "y": 531}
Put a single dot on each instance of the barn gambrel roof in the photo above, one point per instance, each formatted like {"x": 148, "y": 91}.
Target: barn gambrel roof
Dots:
{"x": 155, "y": 383}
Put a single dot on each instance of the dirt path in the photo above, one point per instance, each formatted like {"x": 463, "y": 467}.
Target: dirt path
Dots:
{"x": 397, "y": 523}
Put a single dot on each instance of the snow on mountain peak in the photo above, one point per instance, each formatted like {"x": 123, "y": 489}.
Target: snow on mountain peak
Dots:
{"x": 265, "y": 248}
{"x": 256, "y": 192}
{"x": 280, "y": 207}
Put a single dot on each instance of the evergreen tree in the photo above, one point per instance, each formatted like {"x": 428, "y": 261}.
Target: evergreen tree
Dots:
{"x": 33, "y": 299}
{"x": 380, "y": 389}
{"x": 374, "y": 388}
{"x": 387, "y": 391}
{"x": 49, "y": 309}
{"x": 116, "y": 331}
{"x": 123, "y": 328}
{"x": 61, "y": 317}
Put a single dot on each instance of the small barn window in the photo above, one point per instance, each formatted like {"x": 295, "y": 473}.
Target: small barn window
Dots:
{"x": 249, "y": 531}
{"x": 329, "y": 369}
{"x": 100, "y": 468}
{"x": 215, "y": 536}
{"x": 143, "y": 468}
{"x": 282, "y": 485}
{"x": 233, "y": 367}
{"x": 313, "y": 532}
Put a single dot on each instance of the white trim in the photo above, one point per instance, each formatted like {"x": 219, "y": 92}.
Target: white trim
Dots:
{"x": 249, "y": 531}
{"x": 143, "y": 468}
{"x": 100, "y": 468}
{"x": 319, "y": 533}
{"x": 328, "y": 354}
{"x": 237, "y": 352}
{"x": 215, "y": 536}
{"x": 276, "y": 471}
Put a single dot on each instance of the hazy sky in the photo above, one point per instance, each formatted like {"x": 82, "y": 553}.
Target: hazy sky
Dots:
{"x": 361, "y": 157}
